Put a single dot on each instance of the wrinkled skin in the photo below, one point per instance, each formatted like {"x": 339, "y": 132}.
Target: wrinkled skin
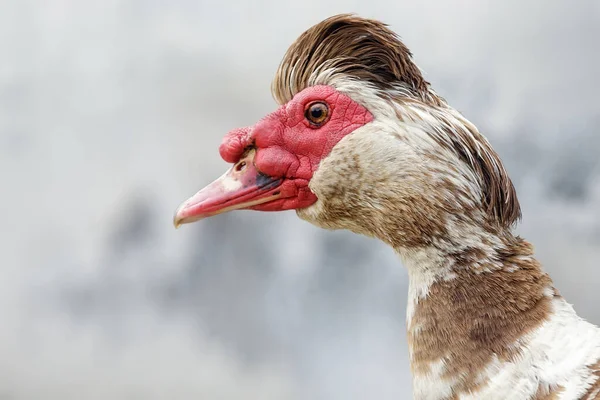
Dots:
{"x": 285, "y": 148}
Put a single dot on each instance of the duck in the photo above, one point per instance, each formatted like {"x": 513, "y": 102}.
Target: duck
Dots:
{"x": 360, "y": 141}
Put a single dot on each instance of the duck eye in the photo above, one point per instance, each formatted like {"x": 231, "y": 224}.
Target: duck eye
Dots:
{"x": 317, "y": 113}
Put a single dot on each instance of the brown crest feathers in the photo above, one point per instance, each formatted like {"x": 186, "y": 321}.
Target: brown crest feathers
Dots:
{"x": 500, "y": 195}
{"x": 452, "y": 131}
{"x": 355, "y": 47}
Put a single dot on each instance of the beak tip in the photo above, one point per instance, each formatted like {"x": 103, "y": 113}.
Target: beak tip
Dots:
{"x": 176, "y": 223}
{"x": 181, "y": 217}
{"x": 178, "y": 220}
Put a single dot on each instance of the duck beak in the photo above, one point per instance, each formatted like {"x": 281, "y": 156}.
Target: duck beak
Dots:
{"x": 241, "y": 187}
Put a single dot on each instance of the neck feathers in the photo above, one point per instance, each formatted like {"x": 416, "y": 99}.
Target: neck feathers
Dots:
{"x": 475, "y": 311}
{"x": 488, "y": 323}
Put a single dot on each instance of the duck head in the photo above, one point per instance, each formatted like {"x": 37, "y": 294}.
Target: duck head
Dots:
{"x": 360, "y": 142}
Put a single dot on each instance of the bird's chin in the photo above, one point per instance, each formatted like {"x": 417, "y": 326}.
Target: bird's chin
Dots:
{"x": 317, "y": 215}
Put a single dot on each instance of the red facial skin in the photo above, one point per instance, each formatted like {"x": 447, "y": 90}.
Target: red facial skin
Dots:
{"x": 288, "y": 150}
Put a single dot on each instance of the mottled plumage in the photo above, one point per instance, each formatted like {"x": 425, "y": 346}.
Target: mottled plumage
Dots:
{"x": 395, "y": 161}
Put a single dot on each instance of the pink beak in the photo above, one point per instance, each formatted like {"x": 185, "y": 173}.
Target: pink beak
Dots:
{"x": 241, "y": 187}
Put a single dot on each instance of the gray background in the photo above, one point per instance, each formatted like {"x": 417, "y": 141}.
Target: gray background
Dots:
{"x": 111, "y": 113}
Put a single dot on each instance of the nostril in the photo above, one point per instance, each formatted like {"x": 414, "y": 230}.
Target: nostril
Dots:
{"x": 240, "y": 166}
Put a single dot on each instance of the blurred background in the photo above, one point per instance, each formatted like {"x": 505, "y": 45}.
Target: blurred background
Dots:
{"x": 111, "y": 114}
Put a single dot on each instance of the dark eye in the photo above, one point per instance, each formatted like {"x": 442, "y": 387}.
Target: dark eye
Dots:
{"x": 317, "y": 113}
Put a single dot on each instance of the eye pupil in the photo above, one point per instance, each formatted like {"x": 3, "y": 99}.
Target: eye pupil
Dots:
{"x": 316, "y": 112}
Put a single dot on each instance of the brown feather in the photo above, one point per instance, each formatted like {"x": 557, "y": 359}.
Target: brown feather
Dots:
{"x": 359, "y": 48}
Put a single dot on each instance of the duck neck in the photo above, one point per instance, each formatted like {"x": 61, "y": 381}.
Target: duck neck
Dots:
{"x": 496, "y": 265}
{"x": 471, "y": 301}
